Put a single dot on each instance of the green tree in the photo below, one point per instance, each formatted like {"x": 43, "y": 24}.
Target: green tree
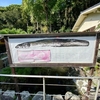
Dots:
{"x": 11, "y": 17}
{"x": 43, "y": 16}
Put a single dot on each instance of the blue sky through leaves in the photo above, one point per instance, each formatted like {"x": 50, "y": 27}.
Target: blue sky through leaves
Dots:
{"x": 9, "y": 2}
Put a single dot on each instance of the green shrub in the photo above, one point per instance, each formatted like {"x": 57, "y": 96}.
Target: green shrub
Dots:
{"x": 6, "y": 70}
{"x": 23, "y": 71}
{"x": 12, "y": 31}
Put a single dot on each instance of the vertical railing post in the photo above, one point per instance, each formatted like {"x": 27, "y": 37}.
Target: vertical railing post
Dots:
{"x": 43, "y": 88}
{"x": 89, "y": 84}
{"x": 97, "y": 90}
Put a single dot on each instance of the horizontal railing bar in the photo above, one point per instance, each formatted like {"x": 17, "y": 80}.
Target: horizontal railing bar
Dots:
{"x": 7, "y": 83}
{"x": 58, "y": 85}
{"x": 42, "y": 76}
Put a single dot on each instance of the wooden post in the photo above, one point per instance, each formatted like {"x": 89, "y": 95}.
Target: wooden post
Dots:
{"x": 15, "y": 80}
{"x": 97, "y": 90}
{"x": 89, "y": 84}
{"x": 12, "y": 68}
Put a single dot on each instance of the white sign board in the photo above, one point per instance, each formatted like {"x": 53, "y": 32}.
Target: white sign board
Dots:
{"x": 53, "y": 50}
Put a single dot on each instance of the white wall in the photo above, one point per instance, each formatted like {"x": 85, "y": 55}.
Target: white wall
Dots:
{"x": 90, "y": 21}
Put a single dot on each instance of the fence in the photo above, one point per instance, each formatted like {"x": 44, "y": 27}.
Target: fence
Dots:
{"x": 50, "y": 77}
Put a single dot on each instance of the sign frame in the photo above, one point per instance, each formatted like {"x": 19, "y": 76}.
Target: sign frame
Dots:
{"x": 76, "y": 34}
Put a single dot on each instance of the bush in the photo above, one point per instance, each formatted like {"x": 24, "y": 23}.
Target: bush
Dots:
{"x": 6, "y": 70}
{"x": 23, "y": 71}
{"x": 30, "y": 30}
{"x": 20, "y": 71}
{"x": 12, "y": 31}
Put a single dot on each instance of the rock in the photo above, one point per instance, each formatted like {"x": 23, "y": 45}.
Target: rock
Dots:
{"x": 25, "y": 95}
{"x": 39, "y": 96}
{"x": 71, "y": 96}
{"x": 58, "y": 97}
{"x": 82, "y": 86}
{"x": 0, "y": 93}
{"x": 48, "y": 97}
{"x": 75, "y": 97}
{"x": 68, "y": 95}
{"x": 8, "y": 95}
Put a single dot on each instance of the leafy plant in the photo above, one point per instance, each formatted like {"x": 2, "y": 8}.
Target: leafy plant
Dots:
{"x": 12, "y": 31}
{"x": 6, "y": 70}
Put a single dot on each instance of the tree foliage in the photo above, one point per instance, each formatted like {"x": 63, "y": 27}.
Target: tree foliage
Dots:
{"x": 10, "y": 17}
{"x": 43, "y": 16}
{"x": 55, "y": 15}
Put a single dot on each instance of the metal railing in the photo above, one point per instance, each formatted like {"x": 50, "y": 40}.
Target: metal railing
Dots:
{"x": 43, "y": 77}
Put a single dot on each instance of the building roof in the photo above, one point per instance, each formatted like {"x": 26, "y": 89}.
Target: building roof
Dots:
{"x": 83, "y": 15}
